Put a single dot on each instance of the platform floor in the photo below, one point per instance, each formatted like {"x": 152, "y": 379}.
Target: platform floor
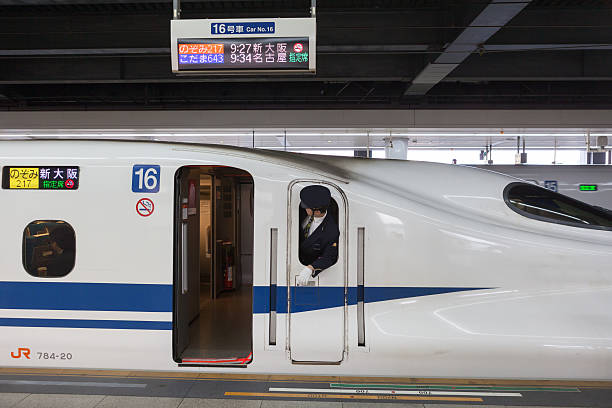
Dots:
{"x": 18, "y": 400}
{"x": 25, "y": 388}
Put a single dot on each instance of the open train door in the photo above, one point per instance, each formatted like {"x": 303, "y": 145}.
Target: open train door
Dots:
{"x": 213, "y": 266}
{"x": 317, "y": 311}
{"x": 186, "y": 259}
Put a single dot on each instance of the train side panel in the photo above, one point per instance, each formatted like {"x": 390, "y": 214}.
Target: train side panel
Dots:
{"x": 472, "y": 297}
{"x": 114, "y": 309}
{"x": 456, "y": 283}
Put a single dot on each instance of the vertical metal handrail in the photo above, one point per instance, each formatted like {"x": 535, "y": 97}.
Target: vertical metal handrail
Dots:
{"x": 184, "y": 260}
{"x": 360, "y": 286}
{"x": 273, "y": 282}
{"x": 184, "y": 247}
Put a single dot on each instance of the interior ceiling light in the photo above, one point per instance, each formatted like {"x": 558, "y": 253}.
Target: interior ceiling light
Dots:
{"x": 294, "y": 134}
{"x": 472, "y": 134}
{"x": 325, "y": 133}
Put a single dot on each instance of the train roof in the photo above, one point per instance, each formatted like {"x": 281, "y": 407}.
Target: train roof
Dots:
{"x": 420, "y": 181}
{"x": 464, "y": 191}
{"x": 344, "y": 169}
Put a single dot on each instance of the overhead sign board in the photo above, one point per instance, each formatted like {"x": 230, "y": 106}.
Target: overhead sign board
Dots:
{"x": 278, "y": 45}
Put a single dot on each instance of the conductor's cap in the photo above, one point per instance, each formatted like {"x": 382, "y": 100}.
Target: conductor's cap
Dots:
{"x": 315, "y": 197}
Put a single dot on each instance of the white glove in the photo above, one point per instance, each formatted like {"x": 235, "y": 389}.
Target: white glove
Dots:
{"x": 304, "y": 276}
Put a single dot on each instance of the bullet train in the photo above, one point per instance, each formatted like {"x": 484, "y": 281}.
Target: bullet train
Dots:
{"x": 181, "y": 257}
{"x": 591, "y": 184}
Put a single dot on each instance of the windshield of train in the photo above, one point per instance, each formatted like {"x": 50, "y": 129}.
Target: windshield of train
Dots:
{"x": 545, "y": 205}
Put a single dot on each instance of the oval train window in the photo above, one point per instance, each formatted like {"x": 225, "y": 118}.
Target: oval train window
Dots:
{"x": 546, "y": 205}
{"x": 48, "y": 248}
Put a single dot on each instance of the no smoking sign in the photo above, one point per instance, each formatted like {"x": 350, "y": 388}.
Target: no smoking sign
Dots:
{"x": 145, "y": 207}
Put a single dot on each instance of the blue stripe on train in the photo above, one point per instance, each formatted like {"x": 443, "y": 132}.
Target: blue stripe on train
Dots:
{"x": 315, "y": 298}
{"x": 86, "y": 324}
{"x": 158, "y": 298}
{"x": 86, "y": 296}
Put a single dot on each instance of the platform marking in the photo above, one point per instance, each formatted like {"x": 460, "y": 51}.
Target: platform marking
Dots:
{"x": 72, "y": 383}
{"x": 518, "y": 385}
{"x": 424, "y": 393}
{"x": 454, "y": 387}
{"x": 352, "y": 396}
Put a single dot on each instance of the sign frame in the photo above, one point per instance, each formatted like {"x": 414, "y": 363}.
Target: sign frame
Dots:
{"x": 202, "y": 29}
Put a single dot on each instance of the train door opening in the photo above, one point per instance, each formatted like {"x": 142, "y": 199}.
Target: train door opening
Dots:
{"x": 213, "y": 278}
{"x": 321, "y": 304}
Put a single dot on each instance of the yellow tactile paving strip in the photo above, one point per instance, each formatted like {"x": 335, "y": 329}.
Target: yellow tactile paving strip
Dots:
{"x": 301, "y": 378}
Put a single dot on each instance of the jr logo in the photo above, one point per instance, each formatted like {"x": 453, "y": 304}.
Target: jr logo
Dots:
{"x": 21, "y": 351}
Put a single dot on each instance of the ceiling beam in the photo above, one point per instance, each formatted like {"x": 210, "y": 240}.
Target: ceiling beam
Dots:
{"x": 145, "y": 65}
{"x": 71, "y": 2}
{"x": 321, "y": 49}
{"x": 494, "y": 16}
{"x": 416, "y": 120}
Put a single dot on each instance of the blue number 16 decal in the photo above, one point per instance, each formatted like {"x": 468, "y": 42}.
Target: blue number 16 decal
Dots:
{"x": 145, "y": 178}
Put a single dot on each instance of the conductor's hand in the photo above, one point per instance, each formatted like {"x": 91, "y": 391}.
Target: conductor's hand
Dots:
{"x": 304, "y": 277}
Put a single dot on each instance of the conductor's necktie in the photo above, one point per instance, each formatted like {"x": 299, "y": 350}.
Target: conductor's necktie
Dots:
{"x": 307, "y": 227}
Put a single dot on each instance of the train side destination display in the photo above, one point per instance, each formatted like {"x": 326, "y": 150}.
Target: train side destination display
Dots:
{"x": 243, "y": 46}
{"x": 40, "y": 177}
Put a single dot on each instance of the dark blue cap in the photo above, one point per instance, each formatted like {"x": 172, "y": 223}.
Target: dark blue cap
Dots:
{"x": 315, "y": 197}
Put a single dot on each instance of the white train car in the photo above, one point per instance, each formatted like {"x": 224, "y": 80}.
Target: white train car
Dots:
{"x": 146, "y": 256}
{"x": 591, "y": 183}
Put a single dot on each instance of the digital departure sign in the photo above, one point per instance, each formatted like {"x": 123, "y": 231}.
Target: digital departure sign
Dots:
{"x": 243, "y": 46}
{"x": 40, "y": 177}
{"x": 243, "y": 53}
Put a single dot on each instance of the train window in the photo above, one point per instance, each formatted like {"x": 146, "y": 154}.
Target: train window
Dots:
{"x": 546, "y": 205}
{"x": 48, "y": 248}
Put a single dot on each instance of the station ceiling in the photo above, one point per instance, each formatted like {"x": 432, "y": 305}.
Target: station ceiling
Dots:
{"x": 345, "y": 139}
{"x": 374, "y": 54}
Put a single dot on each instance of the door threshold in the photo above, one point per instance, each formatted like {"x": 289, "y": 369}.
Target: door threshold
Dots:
{"x": 212, "y": 365}
{"x": 226, "y": 362}
{"x": 316, "y": 362}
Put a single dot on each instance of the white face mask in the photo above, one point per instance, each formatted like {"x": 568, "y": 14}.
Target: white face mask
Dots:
{"x": 317, "y": 213}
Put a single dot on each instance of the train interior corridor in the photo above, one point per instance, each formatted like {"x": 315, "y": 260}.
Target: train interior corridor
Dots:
{"x": 214, "y": 280}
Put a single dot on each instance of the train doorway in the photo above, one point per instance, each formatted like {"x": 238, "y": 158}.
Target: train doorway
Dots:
{"x": 213, "y": 268}
{"x": 322, "y": 303}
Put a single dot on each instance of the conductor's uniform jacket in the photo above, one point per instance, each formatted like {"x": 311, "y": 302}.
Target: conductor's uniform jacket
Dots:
{"x": 320, "y": 249}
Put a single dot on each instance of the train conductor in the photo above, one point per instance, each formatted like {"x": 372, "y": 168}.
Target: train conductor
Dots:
{"x": 319, "y": 233}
